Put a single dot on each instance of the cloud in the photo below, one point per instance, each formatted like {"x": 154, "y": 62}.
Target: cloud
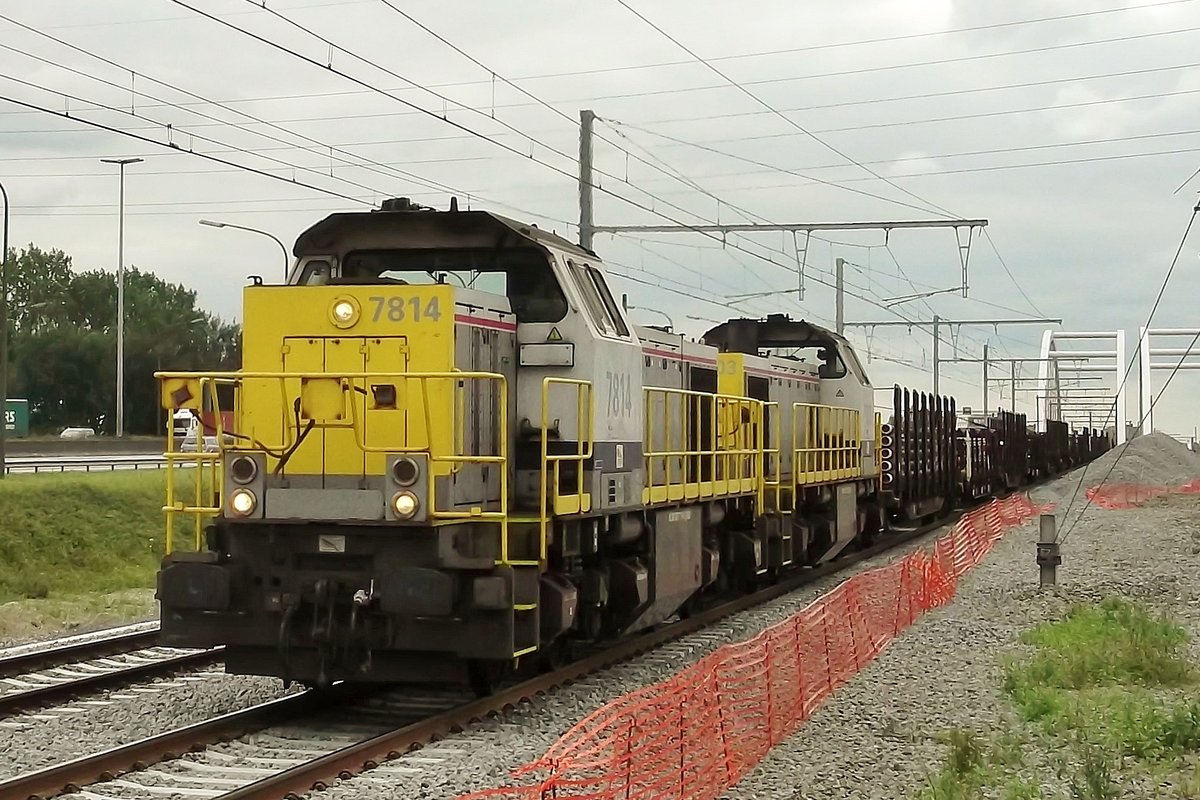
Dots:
{"x": 1086, "y": 240}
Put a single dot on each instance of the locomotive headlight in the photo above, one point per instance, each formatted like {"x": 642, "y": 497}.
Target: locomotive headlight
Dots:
{"x": 404, "y": 504}
{"x": 344, "y": 312}
{"x": 242, "y": 502}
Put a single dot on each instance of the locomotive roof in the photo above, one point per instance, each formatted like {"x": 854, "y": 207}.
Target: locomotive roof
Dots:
{"x": 419, "y": 228}
{"x": 777, "y": 330}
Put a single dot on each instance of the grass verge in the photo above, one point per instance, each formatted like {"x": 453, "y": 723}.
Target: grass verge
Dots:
{"x": 1105, "y": 695}
{"x": 78, "y": 549}
{"x": 76, "y": 533}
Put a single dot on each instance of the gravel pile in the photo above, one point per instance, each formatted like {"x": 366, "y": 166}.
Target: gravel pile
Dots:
{"x": 877, "y": 738}
{"x": 1152, "y": 460}
{"x": 1155, "y": 459}
{"x": 108, "y": 719}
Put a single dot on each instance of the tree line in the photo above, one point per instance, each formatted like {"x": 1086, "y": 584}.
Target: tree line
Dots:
{"x": 63, "y": 341}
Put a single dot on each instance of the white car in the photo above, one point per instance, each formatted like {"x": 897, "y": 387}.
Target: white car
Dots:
{"x": 77, "y": 433}
{"x": 210, "y": 442}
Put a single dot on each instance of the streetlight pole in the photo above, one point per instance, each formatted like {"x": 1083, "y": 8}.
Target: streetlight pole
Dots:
{"x": 4, "y": 340}
{"x": 121, "y": 162}
{"x": 286, "y": 259}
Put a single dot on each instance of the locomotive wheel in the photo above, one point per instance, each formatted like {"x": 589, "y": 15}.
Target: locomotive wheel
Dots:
{"x": 554, "y": 655}
{"x": 485, "y": 675}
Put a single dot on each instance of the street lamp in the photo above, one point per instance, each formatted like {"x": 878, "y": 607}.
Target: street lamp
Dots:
{"x": 121, "y": 162}
{"x": 286, "y": 260}
{"x": 4, "y": 338}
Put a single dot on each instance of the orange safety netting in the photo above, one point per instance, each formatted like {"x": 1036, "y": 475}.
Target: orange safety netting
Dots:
{"x": 1129, "y": 495}
{"x": 697, "y": 733}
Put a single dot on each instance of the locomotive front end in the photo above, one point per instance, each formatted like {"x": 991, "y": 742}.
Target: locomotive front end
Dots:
{"x": 354, "y": 523}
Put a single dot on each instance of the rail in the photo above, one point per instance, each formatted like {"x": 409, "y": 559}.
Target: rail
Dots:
{"x": 363, "y": 756}
{"x": 319, "y": 401}
{"x": 685, "y": 468}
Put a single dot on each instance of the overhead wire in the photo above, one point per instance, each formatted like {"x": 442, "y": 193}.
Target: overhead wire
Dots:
{"x": 325, "y": 148}
{"x": 910, "y": 65}
{"x": 933, "y": 207}
{"x": 973, "y": 90}
{"x": 890, "y": 39}
{"x": 198, "y": 153}
{"x": 754, "y": 254}
{"x": 442, "y": 118}
{"x": 892, "y": 254}
{"x": 467, "y": 129}
{"x": 685, "y": 119}
{"x": 958, "y": 154}
{"x": 1009, "y": 273}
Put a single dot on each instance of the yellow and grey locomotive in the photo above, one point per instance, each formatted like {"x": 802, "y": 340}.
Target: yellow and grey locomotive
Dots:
{"x": 448, "y": 450}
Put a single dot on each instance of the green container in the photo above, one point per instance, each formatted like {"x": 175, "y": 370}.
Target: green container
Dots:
{"x": 16, "y": 418}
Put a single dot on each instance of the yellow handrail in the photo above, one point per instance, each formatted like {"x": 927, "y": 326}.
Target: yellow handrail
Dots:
{"x": 551, "y": 466}
{"x": 772, "y": 469}
{"x": 732, "y": 464}
{"x": 349, "y": 382}
{"x": 826, "y": 444}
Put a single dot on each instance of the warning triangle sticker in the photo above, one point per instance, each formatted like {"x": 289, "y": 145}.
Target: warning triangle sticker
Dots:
{"x": 840, "y": 393}
{"x": 554, "y": 336}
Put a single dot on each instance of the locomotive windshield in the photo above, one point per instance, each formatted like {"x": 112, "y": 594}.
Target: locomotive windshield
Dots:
{"x": 524, "y": 276}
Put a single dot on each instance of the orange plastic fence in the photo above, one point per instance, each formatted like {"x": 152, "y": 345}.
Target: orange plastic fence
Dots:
{"x": 695, "y": 734}
{"x": 1129, "y": 495}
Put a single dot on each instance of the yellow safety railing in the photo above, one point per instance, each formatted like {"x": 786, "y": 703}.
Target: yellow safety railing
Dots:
{"x": 826, "y": 444}
{"x": 554, "y": 500}
{"x": 207, "y": 477}
{"x": 678, "y": 422}
{"x": 772, "y": 482}
{"x": 353, "y": 383}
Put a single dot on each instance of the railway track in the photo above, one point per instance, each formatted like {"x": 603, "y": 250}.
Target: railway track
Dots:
{"x": 33, "y": 676}
{"x": 293, "y": 745}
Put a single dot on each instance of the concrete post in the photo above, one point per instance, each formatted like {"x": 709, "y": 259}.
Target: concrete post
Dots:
{"x": 586, "y": 223}
{"x": 840, "y": 301}
{"x": 1048, "y": 557}
{"x": 985, "y": 379}
{"x": 937, "y": 342}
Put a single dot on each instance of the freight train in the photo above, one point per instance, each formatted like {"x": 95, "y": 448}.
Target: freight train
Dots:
{"x": 449, "y": 452}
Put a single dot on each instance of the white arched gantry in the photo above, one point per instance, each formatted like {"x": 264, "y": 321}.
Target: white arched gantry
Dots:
{"x": 1074, "y": 386}
{"x": 1179, "y": 359}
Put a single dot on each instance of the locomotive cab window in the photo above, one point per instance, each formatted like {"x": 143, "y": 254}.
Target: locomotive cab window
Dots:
{"x": 830, "y": 363}
{"x": 599, "y": 300}
{"x": 524, "y": 276}
{"x": 316, "y": 272}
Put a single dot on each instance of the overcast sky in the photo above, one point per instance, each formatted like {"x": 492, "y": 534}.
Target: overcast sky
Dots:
{"x": 1067, "y": 125}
